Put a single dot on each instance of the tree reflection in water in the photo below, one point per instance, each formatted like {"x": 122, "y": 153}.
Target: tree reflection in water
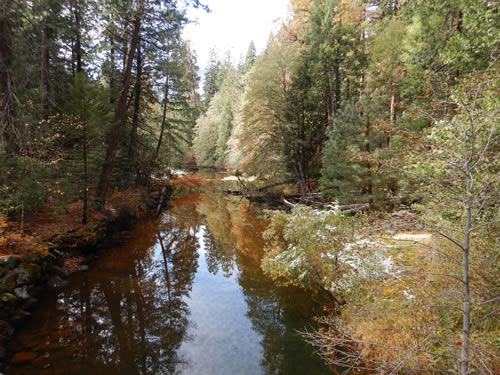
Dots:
{"x": 127, "y": 315}
{"x": 131, "y": 313}
{"x": 234, "y": 244}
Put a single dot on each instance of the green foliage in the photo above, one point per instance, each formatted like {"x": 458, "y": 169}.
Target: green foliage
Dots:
{"x": 249, "y": 58}
{"x": 321, "y": 249}
{"x": 24, "y": 184}
{"x": 215, "y": 126}
{"x": 340, "y": 175}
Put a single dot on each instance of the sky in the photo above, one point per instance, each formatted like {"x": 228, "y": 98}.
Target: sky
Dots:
{"x": 232, "y": 25}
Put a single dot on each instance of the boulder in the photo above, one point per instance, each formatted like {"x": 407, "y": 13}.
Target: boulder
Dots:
{"x": 22, "y": 292}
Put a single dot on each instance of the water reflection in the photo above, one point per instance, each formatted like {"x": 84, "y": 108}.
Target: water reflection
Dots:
{"x": 185, "y": 295}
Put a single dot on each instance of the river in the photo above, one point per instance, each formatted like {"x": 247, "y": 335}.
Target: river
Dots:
{"x": 184, "y": 294}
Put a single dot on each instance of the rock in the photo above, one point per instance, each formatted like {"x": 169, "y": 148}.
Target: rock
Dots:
{"x": 8, "y": 283}
{"x": 22, "y": 275}
{"x": 7, "y": 297}
{"x": 83, "y": 268}
{"x": 32, "y": 268}
{"x": 24, "y": 357}
{"x": 57, "y": 283}
{"x": 22, "y": 292}
{"x": 9, "y": 261}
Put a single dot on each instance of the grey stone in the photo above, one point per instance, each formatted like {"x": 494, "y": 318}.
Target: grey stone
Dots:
{"x": 22, "y": 276}
{"x": 6, "y": 297}
{"x": 9, "y": 261}
{"x": 22, "y": 292}
{"x": 83, "y": 268}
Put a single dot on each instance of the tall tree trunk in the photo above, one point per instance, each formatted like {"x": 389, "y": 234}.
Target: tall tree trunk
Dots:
{"x": 112, "y": 73}
{"x": 7, "y": 103}
{"x": 132, "y": 149}
{"x": 164, "y": 116}
{"x": 466, "y": 325}
{"x": 120, "y": 116}
{"x": 85, "y": 172}
{"x": 369, "y": 185}
{"x": 78, "y": 42}
{"x": 44, "y": 69}
{"x": 392, "y": 113}
{"x": 330, "y": 97}
{"x": 337, "y": 86}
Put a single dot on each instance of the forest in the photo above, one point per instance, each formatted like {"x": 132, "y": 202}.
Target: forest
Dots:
{"x": 367, "y": 119}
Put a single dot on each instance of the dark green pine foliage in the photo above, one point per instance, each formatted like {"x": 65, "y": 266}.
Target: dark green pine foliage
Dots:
{"x": 213, "y": 77}
{"x": 250, "y": 58}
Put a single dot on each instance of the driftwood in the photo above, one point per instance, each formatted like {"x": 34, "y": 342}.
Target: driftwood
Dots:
{"x": 357, "y": 207}
{"x": 249, "y": 192}
{"x": 290, "y": 201}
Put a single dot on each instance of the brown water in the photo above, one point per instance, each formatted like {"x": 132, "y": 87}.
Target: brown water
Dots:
{"x": 184, "y": 295}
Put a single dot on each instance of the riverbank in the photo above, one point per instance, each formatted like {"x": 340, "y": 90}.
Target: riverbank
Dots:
{"x": 42, "y": 253}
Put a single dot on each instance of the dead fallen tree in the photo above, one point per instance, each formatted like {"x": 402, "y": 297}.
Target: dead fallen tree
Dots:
{"x": 348, "y": 208}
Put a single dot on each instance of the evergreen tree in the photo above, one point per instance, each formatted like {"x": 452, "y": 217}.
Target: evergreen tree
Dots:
{"x": 249, "y": 58}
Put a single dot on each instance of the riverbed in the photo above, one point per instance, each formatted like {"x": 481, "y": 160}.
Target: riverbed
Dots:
{"x": 183, "y": 294}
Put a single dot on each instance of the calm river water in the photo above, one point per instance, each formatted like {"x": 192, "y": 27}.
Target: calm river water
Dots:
{"x": 184, "y": 295}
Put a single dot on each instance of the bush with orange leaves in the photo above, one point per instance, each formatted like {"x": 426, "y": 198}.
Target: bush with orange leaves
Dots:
{"x": 13, "y": 241}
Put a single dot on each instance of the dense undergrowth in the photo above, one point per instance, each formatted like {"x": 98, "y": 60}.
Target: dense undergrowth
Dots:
{"x": 397, "y": 306}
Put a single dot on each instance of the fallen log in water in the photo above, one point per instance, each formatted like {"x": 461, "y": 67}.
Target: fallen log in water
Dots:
{"x": 357, "y": 207}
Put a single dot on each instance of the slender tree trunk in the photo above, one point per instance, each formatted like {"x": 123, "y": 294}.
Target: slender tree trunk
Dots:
{"x": 330, "y": 105}
{"x": 369, "y": 186}
{"x": 120, "y": 116}
{"x": 44, "y": 70}
{"x": 464, "y": 355}
{"x": 392, "y": 116}
{"x": 164, "y": 116}
{"x": 7, "y": 103}
{"x": 132, "y": 150}
{"x": 78, "y": 43}
{"x": 85, "y": 176}
{"x": 112, "y": 73}
{"x": 337, "y": 86}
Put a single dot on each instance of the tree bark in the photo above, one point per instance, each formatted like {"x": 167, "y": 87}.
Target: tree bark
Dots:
{"x": 337, "y": 86}
{"x": 120, "y": 115}
{"x": 369, "y": 185}
{"x": 392, "y": 116}
{"x": 44, "y": 69}
{"x": 164, "y": 116}
{"x": 78, "y": 42}
{"x": 7, "y": 103}
{"x": 112, "y": 73}
{"x": 464, "y": 355}
{"x": 132, "y": 150}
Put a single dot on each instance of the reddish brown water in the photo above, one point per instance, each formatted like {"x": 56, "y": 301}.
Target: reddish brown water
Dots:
{"x": 184, "y": 295}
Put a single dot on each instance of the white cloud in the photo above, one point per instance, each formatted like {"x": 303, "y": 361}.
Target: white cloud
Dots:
{"x": 232, "y": 25}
